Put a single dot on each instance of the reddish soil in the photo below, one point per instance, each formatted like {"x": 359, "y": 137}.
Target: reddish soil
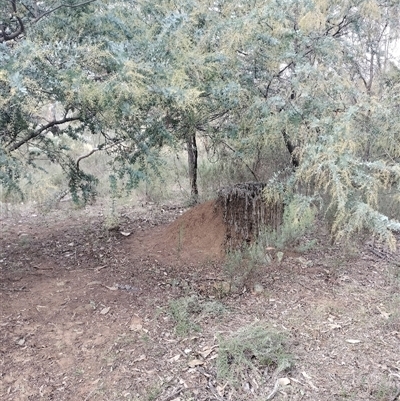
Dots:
{"x": 195, "y": 237}
{"x": 85, "y": 313}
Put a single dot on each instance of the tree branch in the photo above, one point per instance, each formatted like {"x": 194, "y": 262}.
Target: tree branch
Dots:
{"x": 5, "y": 38}
{"x": 40, "y": 131}
{"x": 61, "y": 6}
{"x": 291, "y": 148}
{"x": 21, "y": 29}
{"x": 85, "y": 156}
{"x": 247, "y": 166}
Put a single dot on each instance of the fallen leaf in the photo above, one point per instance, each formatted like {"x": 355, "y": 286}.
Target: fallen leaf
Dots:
{"x": 135, "y": 324}
{"x": 113, "y": 288}
{"x": 312, "y": 385}
{"x": 350, "y": 341}
{"x": 258, "y": 288}
{"x": 141, "y": 358}
{"x": 221, "y": 390}
{"x": 94, "y": 283}
{"x": 174, "y": 358}
{"x": 104, "y": 311}
{"x": 206, "y": 353}
{"x": 195, "y": 362}
{"x": 304, "y": 262}
{"x": 384, "y": 314}
{"x": 284, "y": 381}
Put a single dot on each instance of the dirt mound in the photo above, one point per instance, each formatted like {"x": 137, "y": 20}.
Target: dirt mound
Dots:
{"x": 195, "y": 237}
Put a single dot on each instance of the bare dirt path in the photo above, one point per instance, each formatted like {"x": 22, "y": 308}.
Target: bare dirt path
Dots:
{"x": 86, "y": 314}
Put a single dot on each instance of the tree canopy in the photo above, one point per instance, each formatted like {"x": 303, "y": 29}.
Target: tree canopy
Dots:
{"x": 313, "y": 82}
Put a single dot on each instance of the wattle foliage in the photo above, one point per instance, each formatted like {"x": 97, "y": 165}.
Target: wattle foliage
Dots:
{"x": 311, "y": 83}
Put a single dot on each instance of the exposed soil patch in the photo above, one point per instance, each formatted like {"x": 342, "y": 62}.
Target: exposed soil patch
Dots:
{"x": 195, "y": 237}
{"x": 85, "y": 313}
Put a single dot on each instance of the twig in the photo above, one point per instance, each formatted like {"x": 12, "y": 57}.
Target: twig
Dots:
{"x": 22, "y": 289}
{"x": 85, "y": 156}
{"x": 177, "y": 392}
{"x": 274, "y": 391}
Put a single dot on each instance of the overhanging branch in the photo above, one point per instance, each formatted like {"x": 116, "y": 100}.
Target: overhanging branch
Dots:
{"x": 41, "y": 130}
{"x": 62, "y": 6}
{"x": 5, "y": 38}
{"x": 20, "y": 29}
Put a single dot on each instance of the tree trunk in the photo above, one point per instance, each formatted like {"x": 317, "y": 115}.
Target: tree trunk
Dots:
{"x": 291, "y": 148}
{"x": 246, "y": 214}
{"x": 192, "y": 163}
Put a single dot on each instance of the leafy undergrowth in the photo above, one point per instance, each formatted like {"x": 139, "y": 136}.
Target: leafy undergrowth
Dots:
{"x": 92, "y": 314}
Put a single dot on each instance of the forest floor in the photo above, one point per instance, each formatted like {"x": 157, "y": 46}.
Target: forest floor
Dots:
{"x": 145, "y": 312}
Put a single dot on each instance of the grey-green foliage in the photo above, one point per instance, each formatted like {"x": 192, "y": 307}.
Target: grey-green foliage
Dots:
{"x": 241, "y": 267}
{"x": 253, "y": 347}
{"x": 88, "y": 77}
{"x": 298, "y": 220}
{"x": 183, "y": 310}
{"x": 188, "y": 312}
{"x": 310, "y": 79}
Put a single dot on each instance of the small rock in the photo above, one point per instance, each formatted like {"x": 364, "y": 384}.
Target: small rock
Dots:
{"x": 21, "y": 342}
{"x": 258, "y": 288}
{"x": 136, "y": 324}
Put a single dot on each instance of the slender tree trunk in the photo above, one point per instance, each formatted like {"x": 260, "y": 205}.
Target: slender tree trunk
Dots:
{"x": 192, "y": 162}
{"x": 291, "y": 148}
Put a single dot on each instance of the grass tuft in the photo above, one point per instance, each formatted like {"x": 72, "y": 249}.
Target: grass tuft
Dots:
{"x": 189, "y": 311}
{"x": 254, "y": 347}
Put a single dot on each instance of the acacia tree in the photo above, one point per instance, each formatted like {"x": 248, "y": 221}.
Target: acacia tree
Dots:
{"x": 310, "y": 72}
{"x": 17, "y": 15}
{"x": 310, "y": 77}
{"x": 97, "y": 80}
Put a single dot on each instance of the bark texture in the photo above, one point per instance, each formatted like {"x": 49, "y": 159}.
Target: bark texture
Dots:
{"x": 246, "y": 213}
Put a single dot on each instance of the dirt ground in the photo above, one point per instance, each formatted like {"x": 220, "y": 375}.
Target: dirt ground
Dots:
{"x": 85, "y": 313}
